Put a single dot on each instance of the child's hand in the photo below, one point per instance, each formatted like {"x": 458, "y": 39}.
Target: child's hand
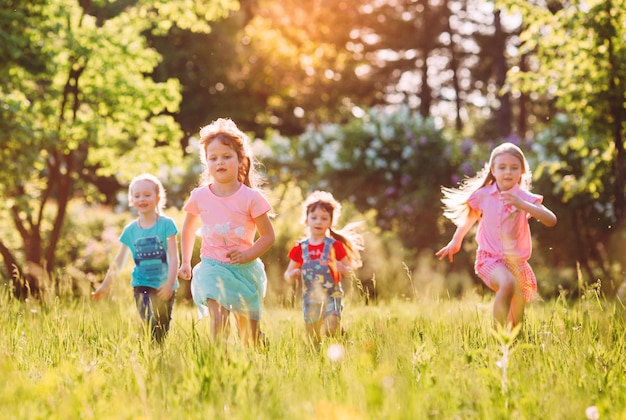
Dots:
{"x": 165, "y": 292}
{"x": 511, "y": 198}
{"x": 345, "y": 269}
{"x": 100, "y": 292}
{"x": 236, "y": 256}
{"x": 293, "y": 274}
{"x": 184, "y": 272}
{"x": 448, "y": 250}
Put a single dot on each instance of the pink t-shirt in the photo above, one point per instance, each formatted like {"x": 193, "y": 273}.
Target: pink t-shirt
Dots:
{"x": 503, "y": 230}
{"x": 227, "y": 222}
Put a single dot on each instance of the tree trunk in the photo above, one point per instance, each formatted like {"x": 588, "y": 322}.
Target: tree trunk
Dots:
{"x": 65, "y": 186}
{"x": 504, "y": 113}
{"x": 20, "y": 283}
{"x": 425, "y": 93}
{"x": 454, "y": 66}
{"x": 616, "y": 104}
{"x": 523, "y": 103}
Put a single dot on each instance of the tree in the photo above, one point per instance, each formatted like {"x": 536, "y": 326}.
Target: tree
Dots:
{"x": 305, "y": 59}
{"x": 87, "y": 110}
{"x": 577, "y": 58}
{"x": 207, "y": 65}
{"x": 389, "y": 160}
{"x": 286, "y": 64}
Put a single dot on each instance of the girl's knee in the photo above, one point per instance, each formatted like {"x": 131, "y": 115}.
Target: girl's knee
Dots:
{"x": 509, "y": 284}
{"x": 500, "y": 277}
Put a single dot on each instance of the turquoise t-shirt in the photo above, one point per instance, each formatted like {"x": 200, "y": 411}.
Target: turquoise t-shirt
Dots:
{"x": 149, "y": 249}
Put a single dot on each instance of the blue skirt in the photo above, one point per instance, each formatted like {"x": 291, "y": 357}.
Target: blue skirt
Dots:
{"x": 239, "y": 288}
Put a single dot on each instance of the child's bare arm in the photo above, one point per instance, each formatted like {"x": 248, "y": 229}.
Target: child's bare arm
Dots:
{"x": 345, "y": 267}
{"x": 187, "y": 240}
{"x": 457, "y": 239}
{"x": 293, "y": 271}
{"x": 114, "y": 268}
{"x": 536, "y": 210}
{"x": 166, "y": 291}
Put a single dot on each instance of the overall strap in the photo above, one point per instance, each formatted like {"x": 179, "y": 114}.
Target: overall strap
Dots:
{"x": 304, "y": 245}
{"x": 328, "y": 245}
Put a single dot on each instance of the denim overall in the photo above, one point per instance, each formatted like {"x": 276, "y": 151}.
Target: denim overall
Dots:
{"x": 321, "y": 295}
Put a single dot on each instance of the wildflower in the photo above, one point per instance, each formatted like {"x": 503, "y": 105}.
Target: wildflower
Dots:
{"x": 592, "y": 412}
{"x": 335, "y": 352}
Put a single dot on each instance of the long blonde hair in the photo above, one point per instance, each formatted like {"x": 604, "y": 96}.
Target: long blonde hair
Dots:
{"x": 349, "y": 236}
{"x": 226, "y": 131}
{"x": 454, "y": 200}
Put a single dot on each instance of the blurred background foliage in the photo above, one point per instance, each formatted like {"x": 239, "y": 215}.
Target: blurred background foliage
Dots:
{"x": 379, "y": 102}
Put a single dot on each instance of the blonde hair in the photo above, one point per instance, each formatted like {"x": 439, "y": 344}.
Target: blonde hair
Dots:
{"x": 227, "y": 132}
{"x": 349, "y": 236}
{"x": 158, "y": 186}
{"x": 455, "y": 206}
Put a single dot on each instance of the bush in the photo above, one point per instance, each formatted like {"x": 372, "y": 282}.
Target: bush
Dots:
{"x": 89, "y": 242}
{"x": 391, "y": 161}
{"x": 385, "y": 260}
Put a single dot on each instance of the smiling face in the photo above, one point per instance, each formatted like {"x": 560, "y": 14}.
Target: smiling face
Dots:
{"x": 144, "y": 196}
{"x": 222, "y": 162}
{"x": 507, "y": 170}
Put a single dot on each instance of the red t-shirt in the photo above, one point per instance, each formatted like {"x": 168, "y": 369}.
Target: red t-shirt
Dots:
{"x": 315, "y": 252}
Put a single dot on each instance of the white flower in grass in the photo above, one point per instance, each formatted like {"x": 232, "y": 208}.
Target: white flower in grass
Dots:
{"x": 592, "y": 412}
{"x": 335, "y": 352}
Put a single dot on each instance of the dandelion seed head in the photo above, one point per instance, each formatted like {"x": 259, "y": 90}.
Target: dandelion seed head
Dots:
{"x": 592, "y": 412}
{"x": 335, "y": 352}
{"x": 388, "y": 381}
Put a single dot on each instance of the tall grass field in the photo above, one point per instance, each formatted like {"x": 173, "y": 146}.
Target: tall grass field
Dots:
{"x": 415, "y": 359}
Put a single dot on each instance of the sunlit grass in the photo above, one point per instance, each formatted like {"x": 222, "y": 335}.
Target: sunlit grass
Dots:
{"x": 412, "y": 359}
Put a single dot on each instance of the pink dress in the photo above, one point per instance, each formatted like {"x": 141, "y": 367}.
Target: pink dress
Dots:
{"x": 504, "y": 238}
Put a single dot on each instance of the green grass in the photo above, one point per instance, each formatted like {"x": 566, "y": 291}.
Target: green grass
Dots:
{"x": 400, "y": 360}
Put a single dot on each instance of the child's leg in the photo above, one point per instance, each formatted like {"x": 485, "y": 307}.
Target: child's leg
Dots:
{"x": 145, "y": 307}
{"x": 248, "y": 329}
{"x": 516, "y": 313}
{"x": 332, "y": 316}
{"x": 504, "y": 283}
{"x": 313, "y": 321}
{"x": 314, "y": 332}
{"x": 162, "y": 316}
{"x": 219, "y": 319}
{"x": 332, "y": 325}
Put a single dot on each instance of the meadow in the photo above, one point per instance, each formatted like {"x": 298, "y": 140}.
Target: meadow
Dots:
{"x": 413, "y": 359}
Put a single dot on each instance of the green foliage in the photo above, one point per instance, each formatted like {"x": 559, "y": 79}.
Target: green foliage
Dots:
{"x": 575, "y": 182}
{"x": 403, "y": 360}
{"x": 303, "y": 59}
{"x": 19, "y": 43}
{"x": 576, "y": 59}
{"x": 89, "y": 243}
{"x": 209, "y": 91}
{"x": 392, "y": 161}
{"x": 579, "y": 60}
{"x": 86, "y": 252}
{"x": 90, "y": 112}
